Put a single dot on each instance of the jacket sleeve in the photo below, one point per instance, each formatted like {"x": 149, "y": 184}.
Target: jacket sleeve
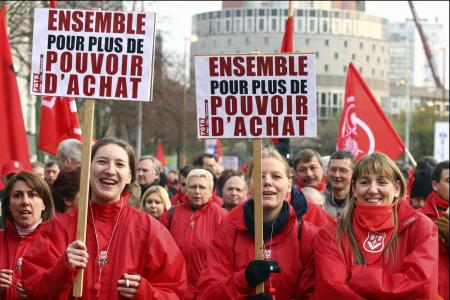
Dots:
{"x": 165, "y": 271}
{"x": 307, "y": 240}
{"x": 418, "y": 275}
{"x": 331, "y": 269}
{"x": 45, "y": 263}
{"x": 219, "y": 280}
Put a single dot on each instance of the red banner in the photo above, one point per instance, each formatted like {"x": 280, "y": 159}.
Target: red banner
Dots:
{"x": 364, "y": 127}
{"x": 13, "y": 138}
{"x": 160, "y": 155}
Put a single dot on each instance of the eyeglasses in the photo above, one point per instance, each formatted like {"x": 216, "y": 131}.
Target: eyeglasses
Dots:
{"x": 202, "y": 188}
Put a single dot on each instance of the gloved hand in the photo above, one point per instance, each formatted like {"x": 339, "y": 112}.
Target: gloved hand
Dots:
{"x": 261, "y": 296}
{"x": 442, "y": 225}
{"x": 259, "y": 270}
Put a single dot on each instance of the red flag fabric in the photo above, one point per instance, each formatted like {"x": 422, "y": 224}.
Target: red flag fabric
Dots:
{"x": 13, "y": 138}
{"x": 59, "y": 120}
{"x": 218, "y": 150}
{"x": 287, "y": 45}
{"x": 160, "y": 154}
{"x": 364, "y": 128}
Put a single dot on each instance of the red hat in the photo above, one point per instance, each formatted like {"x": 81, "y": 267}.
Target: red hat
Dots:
{"x": 11, "y": 167}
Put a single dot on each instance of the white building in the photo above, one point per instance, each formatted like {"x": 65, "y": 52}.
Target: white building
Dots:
{"x": 338, "y": 36}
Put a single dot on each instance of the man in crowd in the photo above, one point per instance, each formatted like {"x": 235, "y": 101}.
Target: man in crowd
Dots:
{"x": 206, "y": 161}
{"x": 38, "y": 169}
{"x": 339, "y": 175}
{"x": 68, "y": 155}
{"x": 308, "y": 168}
{"x": 313, "y": 195}
{"x": 234, "y": 191}
{"x": 180, "y": 196}
{"x": 148, "y": 171}
{"x": 51, "y": 171}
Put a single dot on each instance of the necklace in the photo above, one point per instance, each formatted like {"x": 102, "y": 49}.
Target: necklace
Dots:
{"x": 103, "y": 255}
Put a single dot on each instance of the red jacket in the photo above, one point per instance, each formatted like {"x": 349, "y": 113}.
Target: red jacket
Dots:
{"x": 411, "y": 275}
{"x": 12, "y": 250}
{"x": 430, "y": 210}
{"x": 316, "y": 215}
{"x": 193, "y": 231}
{"x": 233, "y": 248}
{"x": 140, "y": 245}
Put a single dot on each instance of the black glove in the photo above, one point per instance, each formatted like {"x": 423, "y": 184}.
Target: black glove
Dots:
{"x": 261, "y": 296}
{"x": 259, "y": 270}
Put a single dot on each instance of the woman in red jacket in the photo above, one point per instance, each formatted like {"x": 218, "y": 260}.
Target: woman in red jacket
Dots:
{"x": 288, "y": 268}
{"x": 27, "y": 206}
{"x": 194, "y": 223}
{"x": 382, "y": 248}
{"x": 127, "y": 254}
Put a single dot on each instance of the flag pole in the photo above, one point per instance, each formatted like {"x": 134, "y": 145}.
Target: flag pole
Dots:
{"x": 411, "y": 158}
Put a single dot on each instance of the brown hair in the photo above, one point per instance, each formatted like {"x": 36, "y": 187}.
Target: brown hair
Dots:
{"x": 375, "y": 163}
{"x": 161, "y": 192}
{"x": 38, "y": 185}
{"x": 130, "y": 153}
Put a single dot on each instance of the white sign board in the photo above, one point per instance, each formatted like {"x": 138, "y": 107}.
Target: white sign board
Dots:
{"x": 93, "y": 54}
{"x": 441, "y": 138}
{"x": 230, "y": 162}
{"x": 256, "y": 96}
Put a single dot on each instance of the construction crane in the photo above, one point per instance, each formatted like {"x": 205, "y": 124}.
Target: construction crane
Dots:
{"x": 426, "y": 47}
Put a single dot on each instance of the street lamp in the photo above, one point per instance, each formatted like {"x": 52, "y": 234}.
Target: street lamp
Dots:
{"x": 187, "y": 41}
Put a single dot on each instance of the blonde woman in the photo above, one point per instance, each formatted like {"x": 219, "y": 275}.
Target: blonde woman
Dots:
{"x": 155, "y": 201}
{"x": 382, "y": 248}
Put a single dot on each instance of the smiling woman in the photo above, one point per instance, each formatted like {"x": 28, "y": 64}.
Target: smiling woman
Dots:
{"x": 127, "y": 253}
{"x": 28, "y": 204}
{"x": 382, "y": 248}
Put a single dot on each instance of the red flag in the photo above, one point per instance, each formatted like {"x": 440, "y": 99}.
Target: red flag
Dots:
{"x": 59, "y": 120}
{"x": 160, "y": 154}
{"x": 287, "y": 45}
{"x": 13, "y": 138}
{"x": 364, "y": 127}
{"x": 218, "y": 150}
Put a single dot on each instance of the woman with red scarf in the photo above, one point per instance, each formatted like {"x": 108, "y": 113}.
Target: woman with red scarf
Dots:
{"x": 287, "y": 270}
{"x": 27, "y": 207}
{"x": 127, "y": 254}
{"x": 436, "y": 208}
{"x": 382, "y": 248}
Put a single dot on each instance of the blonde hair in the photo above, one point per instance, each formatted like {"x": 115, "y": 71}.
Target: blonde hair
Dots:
{"x": 201, "y": 173}
{"x": 269, "y": 152}
{"x": 161, "y": 192}
{"x": 380, "y": 164}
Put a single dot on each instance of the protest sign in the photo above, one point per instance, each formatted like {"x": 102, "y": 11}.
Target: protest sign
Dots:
{"x": 93, "y": 54}
{"x": 259, "y": 96}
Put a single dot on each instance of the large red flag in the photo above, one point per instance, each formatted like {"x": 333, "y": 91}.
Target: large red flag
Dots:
{"x": 59, "y": 120}
{"x": 364, "y": 127}
{"x": 160, "y": 154}
{"x": 13, "y": 138}
{"x": 286, "y": 47}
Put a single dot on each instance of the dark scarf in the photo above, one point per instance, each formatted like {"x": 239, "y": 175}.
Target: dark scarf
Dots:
{"x": 279, "y": 224}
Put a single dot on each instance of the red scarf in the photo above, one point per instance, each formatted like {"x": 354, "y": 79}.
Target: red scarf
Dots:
{"x": 373, "y": 226}
{"x": 441, "y": 204}
{"x": 320, "y": 187}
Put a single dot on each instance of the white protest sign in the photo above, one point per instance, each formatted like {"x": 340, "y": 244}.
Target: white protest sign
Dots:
{"x": 441, "y": 141}
{"x": 256, "y": 96}
{"x": 93, "y": 54}
{"x": 230, "y": 162}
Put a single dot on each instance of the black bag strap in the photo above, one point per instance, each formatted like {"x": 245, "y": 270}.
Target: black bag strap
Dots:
{"x": 171, "y": 212}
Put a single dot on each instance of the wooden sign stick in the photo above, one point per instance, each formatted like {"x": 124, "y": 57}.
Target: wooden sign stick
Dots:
{"x": 89, "y": 107}
{"x": 258, "y": 205}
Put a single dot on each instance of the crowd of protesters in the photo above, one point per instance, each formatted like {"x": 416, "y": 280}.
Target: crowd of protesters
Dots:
{"x": 332, "y": 228}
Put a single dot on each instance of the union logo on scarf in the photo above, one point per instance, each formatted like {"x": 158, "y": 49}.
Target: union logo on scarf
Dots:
{"x": 374, "y": 242}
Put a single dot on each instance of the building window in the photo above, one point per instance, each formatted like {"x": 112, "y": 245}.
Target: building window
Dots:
{"x": 373, "y": 47}
{"x": 345, "y": 69}
{"x": 373, "y": 72}
{"x": 337, "y": 14}
{"x": 247, "y": 41}
{"x": 266, "y": 40}
{"x": 353, "y": 56}
{"x": 306, "y": 41}
{"x": 317, "y": 54}
{"x": 335, "y": 99}
{"x": 325, "y": 14}
{"x": 238, "y": 13}
{"x": 326, "y": 68}
{"x": 361, "y": 45}
{"x": 262, "y": 12}
{"x": 336, "y": 55}
{"x": 345, "y": 44}
{"x": 227, "y": 13}
{"x": 274, "y": 24}
{"x": 323, "y": 99}
{"x": 229, "y": 42}
{"x": 312, "y": 25}
{"x": 378, "y": 60}
{"x": 274, "y": 12}
{"x": 368, "y": 58}
{"x": 324, "y": 26}
{"x": 300, "y": 12}
{"x": 360, "y": 70}
{"x": 327, "y": 42}
{"x": 249, "y": 13}
{"x": 261, "y": 25}
{"x": 312, "y": 13}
